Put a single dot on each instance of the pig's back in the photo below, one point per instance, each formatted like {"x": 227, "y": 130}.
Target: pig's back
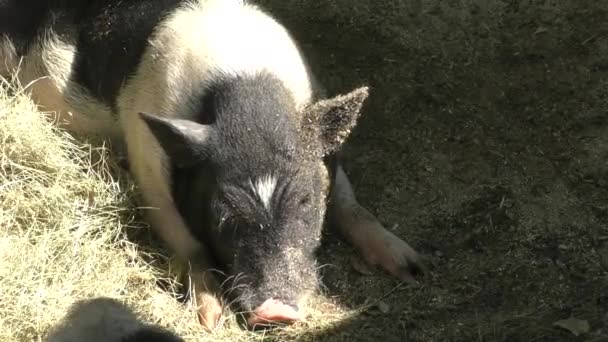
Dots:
{"x": 207, "y": 40}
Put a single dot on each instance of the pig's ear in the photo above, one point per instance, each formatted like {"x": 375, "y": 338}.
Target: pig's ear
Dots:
{"x": 185, "y": 142}
{"x": 335, "y": 118}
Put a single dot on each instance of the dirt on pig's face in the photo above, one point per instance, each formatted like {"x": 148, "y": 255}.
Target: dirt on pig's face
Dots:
{"x": 269, "y": 227}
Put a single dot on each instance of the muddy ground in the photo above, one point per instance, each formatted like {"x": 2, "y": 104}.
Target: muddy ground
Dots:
{"x": 485, "y": 146}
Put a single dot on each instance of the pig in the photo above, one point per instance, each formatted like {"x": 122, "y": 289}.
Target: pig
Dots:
{"x": 229, "y": 137}
{"x": 104, "y": 319}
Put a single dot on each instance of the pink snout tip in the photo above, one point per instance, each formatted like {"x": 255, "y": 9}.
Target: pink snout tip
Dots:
{"x": 273, "y": 311}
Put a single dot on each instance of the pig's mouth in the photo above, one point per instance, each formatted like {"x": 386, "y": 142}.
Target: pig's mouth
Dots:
{"x": 271, "y": 310}
{"x": 268, "y": 309}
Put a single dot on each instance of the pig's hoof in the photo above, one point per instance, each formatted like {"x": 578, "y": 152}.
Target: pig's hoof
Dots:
{"x": 209, "y": 309}
{"x": 394, "y": 255}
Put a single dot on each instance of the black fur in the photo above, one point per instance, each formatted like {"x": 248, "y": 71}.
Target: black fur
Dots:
{"x": 255, "y": 132}
{"x": 21, "y": 19}
{"x": 255, "y": 117}
{"x": 111, "y": 41}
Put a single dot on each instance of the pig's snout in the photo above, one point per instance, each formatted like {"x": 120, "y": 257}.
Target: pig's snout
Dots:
{"x": 274, "y": 311}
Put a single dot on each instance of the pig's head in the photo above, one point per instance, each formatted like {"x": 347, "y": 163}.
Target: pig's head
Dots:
{"x": 257, "y": 195}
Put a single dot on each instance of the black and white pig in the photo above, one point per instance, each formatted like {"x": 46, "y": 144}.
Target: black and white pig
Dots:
{"x": 226, "y": 134}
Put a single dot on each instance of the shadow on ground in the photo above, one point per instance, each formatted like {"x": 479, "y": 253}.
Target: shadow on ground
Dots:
{"x": 485, "y": 145}
{"x": 104, "y": 319}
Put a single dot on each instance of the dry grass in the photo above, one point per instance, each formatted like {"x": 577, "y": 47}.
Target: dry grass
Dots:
{"x": 65, "y": 211}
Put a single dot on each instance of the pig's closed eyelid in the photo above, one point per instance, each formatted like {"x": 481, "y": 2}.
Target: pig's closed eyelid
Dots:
{"x": 283, "y": 188}
{"x": 226, "y": 208}
{"x": 236, "y": 207}
{"x": 234, "y": 197}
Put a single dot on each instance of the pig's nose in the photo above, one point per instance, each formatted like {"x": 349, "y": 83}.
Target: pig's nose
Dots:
{"x": 274, "y": 311}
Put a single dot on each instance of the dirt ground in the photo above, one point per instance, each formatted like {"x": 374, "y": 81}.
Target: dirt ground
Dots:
{"x": 485, "y": 146}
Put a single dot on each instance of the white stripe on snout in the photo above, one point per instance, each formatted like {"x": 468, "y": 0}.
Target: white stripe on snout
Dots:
{"x": 264, "y": 187}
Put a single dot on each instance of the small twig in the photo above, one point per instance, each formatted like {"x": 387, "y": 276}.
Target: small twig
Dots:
{"x": 384, "y": 296}
{"x": 431, "y": 201}
{"x": 584, "y": 42}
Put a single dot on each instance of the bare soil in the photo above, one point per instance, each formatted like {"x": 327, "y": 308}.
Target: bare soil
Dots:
{"x": 484, "y": 144}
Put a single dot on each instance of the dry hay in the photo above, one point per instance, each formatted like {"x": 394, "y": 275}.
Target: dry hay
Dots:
{"x": 65, "y": 211}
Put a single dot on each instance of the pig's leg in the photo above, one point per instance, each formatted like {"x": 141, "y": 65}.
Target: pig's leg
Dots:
{"x": 204, "y": 290}
{"x": 147, "y": 163}
{"x": 363, "y": 230}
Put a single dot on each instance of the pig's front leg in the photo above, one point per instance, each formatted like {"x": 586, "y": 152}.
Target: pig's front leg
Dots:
{"x": 147, "y": 163}
{"x": 204, "y": 290}
{"x": 376, "y": 244}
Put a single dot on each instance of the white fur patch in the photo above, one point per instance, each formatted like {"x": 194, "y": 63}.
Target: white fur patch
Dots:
{"x": 264, "y": 187}
{"x": 46, "y": 70}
